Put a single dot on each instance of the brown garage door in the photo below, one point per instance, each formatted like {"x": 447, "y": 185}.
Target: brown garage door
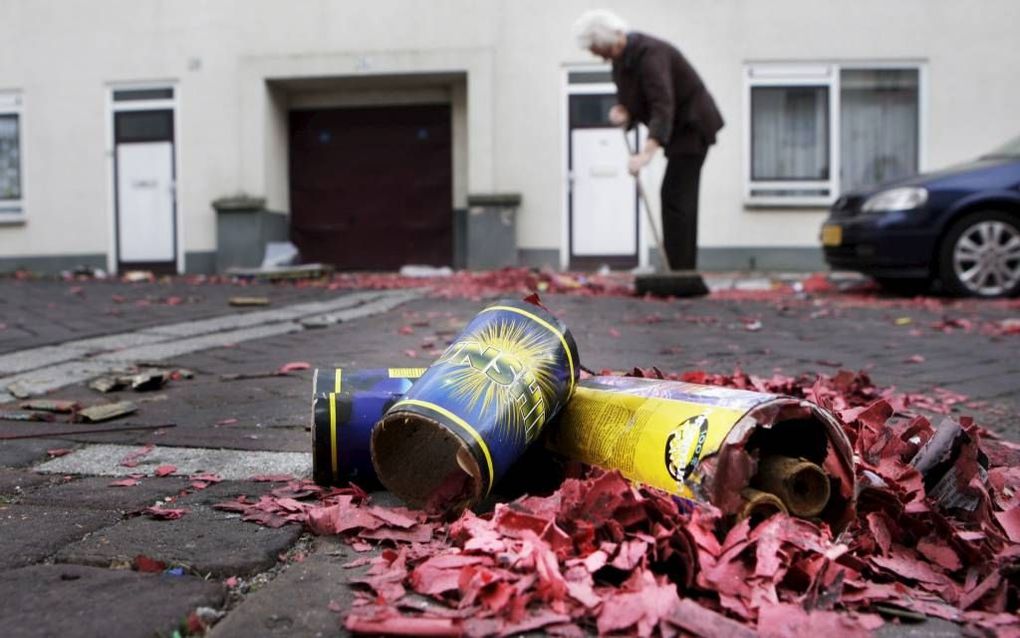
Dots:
{"x": 371, "y": 188}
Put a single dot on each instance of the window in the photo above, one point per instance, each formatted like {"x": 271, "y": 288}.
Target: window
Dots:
{"x": 815, "y": 131}
{"x": 11, "y": 180}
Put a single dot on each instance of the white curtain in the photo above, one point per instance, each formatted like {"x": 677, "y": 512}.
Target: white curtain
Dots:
{"x": 878, "y": 122}
{"x": 790, "y": 133}
{"x": 10, "y": 160}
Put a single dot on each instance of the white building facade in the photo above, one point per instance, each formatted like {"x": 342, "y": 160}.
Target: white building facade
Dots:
{"x": 372, "y": 133}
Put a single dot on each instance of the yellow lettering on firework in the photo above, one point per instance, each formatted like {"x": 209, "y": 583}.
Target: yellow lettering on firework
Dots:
{"x": 510, "y": 373}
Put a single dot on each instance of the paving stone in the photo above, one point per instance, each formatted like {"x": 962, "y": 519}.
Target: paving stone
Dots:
{"x": 207, "y": 541}
{"x": 72, "y": 600}
{"x": 96, "y": 493}
{"x": 104, "y": 460}
{"x": 225, "y": 491}
{"x": 24, "y": 452}
{"x": 178, "y": 347}
{"x": 29, "y": 533}
{"x": 296, "y": 602}
{"x": 15, "y": 484}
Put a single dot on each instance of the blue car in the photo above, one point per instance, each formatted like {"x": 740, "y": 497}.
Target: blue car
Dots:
{"x": 959, "y": 226}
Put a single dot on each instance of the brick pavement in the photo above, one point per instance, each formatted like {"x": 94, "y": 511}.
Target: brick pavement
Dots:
{"x": 71, "y": 529}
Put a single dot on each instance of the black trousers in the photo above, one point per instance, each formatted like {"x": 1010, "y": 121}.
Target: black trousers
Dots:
{"x": 680, "y": 209}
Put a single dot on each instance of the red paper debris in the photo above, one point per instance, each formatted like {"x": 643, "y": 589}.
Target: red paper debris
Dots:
{"x": 143, "y": 563}
{"x": 161, "y": 514}
{"x": 132, "y": 460}
{"x": 128, "y": 482}
{"x": 1010, "y": 522}
{"x": 602, "y": 553}
{"x": 165, "y": 470}
{"x": 294, "y": 366}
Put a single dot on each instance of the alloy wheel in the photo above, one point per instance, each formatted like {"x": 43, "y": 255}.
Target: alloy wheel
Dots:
{"x": 986, "y": 258}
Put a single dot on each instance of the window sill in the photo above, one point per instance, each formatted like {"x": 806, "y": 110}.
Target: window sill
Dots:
{"x": 12, "y": 219}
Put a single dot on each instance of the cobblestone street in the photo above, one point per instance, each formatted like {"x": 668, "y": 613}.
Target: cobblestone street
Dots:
{"x": 65, "y": 531}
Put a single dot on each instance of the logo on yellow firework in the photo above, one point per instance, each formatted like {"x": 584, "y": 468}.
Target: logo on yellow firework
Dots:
{"x": 507, "y": 367}
{"x": 684, "y": 445}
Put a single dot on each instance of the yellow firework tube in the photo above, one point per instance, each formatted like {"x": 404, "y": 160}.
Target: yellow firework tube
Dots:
{"x": 702, "y": 443}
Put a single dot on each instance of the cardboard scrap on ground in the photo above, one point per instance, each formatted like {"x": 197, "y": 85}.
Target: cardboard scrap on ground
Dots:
{"x": 249, "y": 301}
{"x": 51, "y": 405}
{"x": 25, "y": 415}
{"x": 107, "y": 411}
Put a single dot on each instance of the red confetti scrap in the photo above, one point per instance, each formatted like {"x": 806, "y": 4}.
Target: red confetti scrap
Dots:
{"x": 406, "y": 330}
{"x": 294, "y": 366}
{"x": 132, "y": 460}
{"x": 231, "y": 582}
{"x": 917, "y": 358}
{"x": 165, "y": 470}
{"x": 600, "y": 553}
{"x": 226, "y": 422}
{"x": 143, "y": 563}
{"x": 128, "y": 482}
{"x": 164, "y": 514}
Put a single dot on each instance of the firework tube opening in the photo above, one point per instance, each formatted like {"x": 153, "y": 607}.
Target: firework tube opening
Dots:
{"x": 801, "y": 485}
{"x": 759, "y": 505}
{"x": 446, "y": 475}
{"x": 798, "y": 452}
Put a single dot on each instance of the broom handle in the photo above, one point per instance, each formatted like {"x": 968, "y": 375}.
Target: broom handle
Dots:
{"x": 663, "y": 256}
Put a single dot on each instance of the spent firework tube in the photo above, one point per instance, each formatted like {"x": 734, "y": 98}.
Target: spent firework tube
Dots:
{"x": 477, "y": 408}
{"x": 346, "y": 403}
{"x": 712, "y": 444}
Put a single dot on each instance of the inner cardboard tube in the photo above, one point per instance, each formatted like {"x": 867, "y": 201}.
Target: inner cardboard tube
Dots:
{"x": 759, "y": 505}
{"x": 801, "y": 485}
{"x": 417, "y": 458}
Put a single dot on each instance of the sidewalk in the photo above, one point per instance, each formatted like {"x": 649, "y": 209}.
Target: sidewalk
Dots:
{"x": 68, "y": 539}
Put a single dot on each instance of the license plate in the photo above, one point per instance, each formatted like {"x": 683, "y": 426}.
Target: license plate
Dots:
{"x": 832, "y": 235}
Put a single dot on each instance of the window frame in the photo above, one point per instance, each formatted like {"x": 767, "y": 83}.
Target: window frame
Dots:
{"x": 816, "y": 74}
{"x": 12, "y": 211}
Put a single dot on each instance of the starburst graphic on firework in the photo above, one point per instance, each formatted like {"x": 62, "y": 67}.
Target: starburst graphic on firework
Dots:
{"x": 507, "y": 368}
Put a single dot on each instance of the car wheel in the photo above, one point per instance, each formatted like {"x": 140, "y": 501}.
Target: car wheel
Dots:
{"x": 980, "y": 256}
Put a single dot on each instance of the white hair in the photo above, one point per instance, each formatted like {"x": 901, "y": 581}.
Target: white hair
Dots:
{"x": 599, "y": 27}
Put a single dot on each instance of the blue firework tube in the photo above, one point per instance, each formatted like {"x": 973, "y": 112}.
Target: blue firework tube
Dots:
{"x": 477, "y": 408}
{"x": 346, "y": 403}
{"x": 347, "y": 380}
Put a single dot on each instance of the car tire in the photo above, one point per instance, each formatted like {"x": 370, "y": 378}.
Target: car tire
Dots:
{"x": 980, "y": 255}
{"x": 900, "y": 286}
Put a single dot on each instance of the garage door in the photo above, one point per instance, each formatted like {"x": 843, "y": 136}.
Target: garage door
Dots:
{"x": 371, "y": 188}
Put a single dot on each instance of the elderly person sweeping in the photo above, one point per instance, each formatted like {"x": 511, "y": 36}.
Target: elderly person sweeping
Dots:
{"x": 656, "y": 86}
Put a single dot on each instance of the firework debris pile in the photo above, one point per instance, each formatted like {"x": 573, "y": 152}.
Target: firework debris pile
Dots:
{"x": 479, "y": 284}
{"x": 937, "y": 534}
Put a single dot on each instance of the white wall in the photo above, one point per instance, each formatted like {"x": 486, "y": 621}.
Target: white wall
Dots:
{"x": 63, "y": 56}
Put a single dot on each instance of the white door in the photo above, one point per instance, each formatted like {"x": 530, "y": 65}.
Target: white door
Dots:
{"x": 145, "y": 202}
{"x": 603, "y": 210}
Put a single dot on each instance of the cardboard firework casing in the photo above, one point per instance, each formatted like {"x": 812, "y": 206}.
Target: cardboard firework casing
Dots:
{"x": 477, "y": 408}
{"x": 702, "y": 443}
{"x": 346, "y": 404}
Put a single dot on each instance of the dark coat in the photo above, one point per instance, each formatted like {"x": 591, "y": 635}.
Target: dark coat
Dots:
{"x": 660, "y": 89}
